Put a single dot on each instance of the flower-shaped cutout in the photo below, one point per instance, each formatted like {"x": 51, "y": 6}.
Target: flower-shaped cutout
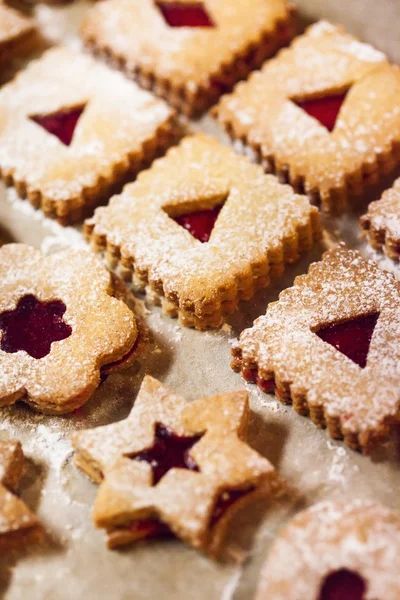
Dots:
{"x": 18, "y": 525}
{"x": 211, "y": 471}
{"x": 95, "y": 329}
{"x": 335, "y": 551}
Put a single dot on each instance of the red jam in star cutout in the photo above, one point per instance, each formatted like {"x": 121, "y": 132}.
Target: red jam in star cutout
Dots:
{"x": 343, "y": 585}
{"x": 181, "y": 14}
{"x": 33, "y": 326}
{"x": 352, "y": 338}
{"x": 170, "y": 451}
{"x": 200, "y": 223}
{"x": 61, "y": 124}
{"x": 325, "y": 110}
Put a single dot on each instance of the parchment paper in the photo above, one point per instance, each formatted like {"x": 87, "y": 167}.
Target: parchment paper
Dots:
{"x": 74, "y": 562}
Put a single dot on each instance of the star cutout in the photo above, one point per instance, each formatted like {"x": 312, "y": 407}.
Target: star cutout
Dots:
{"x": 18, "y": 525}
{"x": 33, "y": 326}
{"x": 207, "y": 473}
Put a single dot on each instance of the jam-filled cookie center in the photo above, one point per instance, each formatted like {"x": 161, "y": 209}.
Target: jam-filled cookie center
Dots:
{"x": 185, "y": 14}
{"x": 352, "y": 337}
{"x": 343, "y": 585}
{"x": 200, "y": 223}
{"x": 325, "y": 110}
{"x": 33, "y": 326}
{"x": 62, "y": 123}
{"x": 169, "y": 451}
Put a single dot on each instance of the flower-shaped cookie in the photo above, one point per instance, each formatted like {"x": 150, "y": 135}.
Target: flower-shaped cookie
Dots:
{"x": 335, "y": 551}
{"x": 59, "y": 327}
{"x": 174, "y": 466}
{"x": 18, "y": 526}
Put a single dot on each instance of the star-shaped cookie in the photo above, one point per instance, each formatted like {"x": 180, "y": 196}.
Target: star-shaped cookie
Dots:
{"x": 18, "y": 525}
{"x": 174, "y": 466}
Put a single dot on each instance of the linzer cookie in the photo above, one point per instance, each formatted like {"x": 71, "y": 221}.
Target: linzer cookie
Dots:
{"x": 71, "y": 129}
{"x": 203, "y": 229}
{"x": 18, "y": 35}
{"x": 381, "y": 224}
{"x": 330, "y": 347}
{"x": 324, "y": 115}
{"x": 189, "y": 52}
{"x": 335, "y": 551}
{"x": 174, "y": 467}
{"x": 60, "y": 328}
{"x": 18, "y": 525}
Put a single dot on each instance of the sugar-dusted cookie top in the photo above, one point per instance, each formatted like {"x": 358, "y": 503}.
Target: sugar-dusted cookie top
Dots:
{"x": 59, "y": 326}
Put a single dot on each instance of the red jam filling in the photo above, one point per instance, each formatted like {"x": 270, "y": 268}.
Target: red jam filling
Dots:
{"x": 200, "y": 223}
{"x": 179, "y": 14}
{"x": 170, "y": 451}
{"x": 105, "y": 369}
{"x": 325, "y": 110}
{"x": 352, "y": 338}
{"x": 33, "y": 326}
{"x": 224, "y": 501}
{"x": 61, "y": 124}
{"x": 343, "y": 585}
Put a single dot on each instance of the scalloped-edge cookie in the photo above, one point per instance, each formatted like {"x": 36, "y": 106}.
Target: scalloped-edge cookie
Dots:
{"x": 72, "y": 129}
{"x": 335, "y": 550}
{"x": 18, "y": 525}
{"x": 188, "y": 53}
{"x": 18, "y": 34}
{"x": 381, "y": 224}
{"x": 329, "y": 346}
{"x": 60, "y": 328}
{"x": 174, "y": 467}
{"x": 324, "y": 115}
{"x": 203, "y": 229}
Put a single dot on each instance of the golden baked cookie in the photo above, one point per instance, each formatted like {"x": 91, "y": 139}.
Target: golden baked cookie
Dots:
{"x": 188, "y": 52}
{"x": 71, "y": 129}
{"x": 330, "y": 347}
{"x": 203, "y": 229}
{"x": 18, "y": 34}
{"x": 335, "y": 551}
{"x": 381, "y": 224}
{"x": 61, "y": 329}
{"x": 174, "y": 467}
{"x": 324, "y": 115}
{"x": 18, "y": 525}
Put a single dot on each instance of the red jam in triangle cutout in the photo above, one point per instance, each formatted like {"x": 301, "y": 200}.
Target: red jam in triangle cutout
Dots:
{"x": 62, "y": 124}
{"x": 325, "y": 110}
{"x": 352, "y": 338}
{"x": 343, "y": 585}
{"x": 170, "y": 451}
{"x": 200, "y": 223}
{"x": 181, "y": 14}
{"x": 33, "y": 326}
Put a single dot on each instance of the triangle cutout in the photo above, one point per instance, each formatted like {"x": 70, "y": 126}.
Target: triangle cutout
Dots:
{"x": 200, "y": 223}
{"x": 185, "y": 14}
{"x": 325, "y": 110}
{"x": 352, "y": 338}
{"x": 62, "y": 124}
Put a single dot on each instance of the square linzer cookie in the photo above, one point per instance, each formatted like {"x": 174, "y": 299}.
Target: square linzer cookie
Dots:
{"x": 175, "y": 467}
{"x": 324, "y": 115}
{"x": 188, "y": 51}
{"x": 71, "y": 129}
{"x": 203, "y": 229}
{"x": 330, "y": 347}
{"x": 18, "y": 525}
{"x": 18, "y": 35}
{"x": 381, "y": 224}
